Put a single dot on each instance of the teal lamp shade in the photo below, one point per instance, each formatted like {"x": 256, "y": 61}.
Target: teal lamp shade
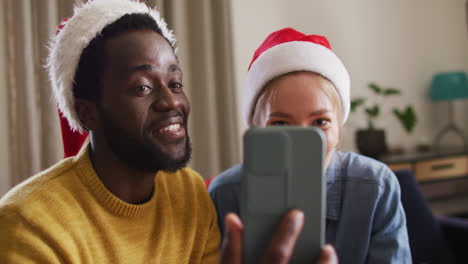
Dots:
{"x": 449, "y": 86}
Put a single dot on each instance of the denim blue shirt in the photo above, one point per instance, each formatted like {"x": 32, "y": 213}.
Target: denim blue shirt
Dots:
{"x": 365, "y": 218}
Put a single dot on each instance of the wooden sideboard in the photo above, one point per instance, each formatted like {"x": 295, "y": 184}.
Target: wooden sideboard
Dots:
{"x": 442, "y": 176}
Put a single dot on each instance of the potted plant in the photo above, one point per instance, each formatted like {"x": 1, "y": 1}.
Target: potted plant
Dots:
{"x": 371, "y": 141}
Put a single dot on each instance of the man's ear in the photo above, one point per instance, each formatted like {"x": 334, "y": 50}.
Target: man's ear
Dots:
{"x": 87, "y": 113}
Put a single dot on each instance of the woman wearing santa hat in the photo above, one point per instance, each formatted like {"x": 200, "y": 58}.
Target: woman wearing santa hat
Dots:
{"x": 296, "y": 79}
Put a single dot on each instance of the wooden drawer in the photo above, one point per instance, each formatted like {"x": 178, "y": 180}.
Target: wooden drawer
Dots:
{"x": 442, "y": 168}
{"x": 401, "y": 166}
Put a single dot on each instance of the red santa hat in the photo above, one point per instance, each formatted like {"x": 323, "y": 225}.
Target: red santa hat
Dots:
{"x": 288, "y": 50}
{"x": 73, "y": 36}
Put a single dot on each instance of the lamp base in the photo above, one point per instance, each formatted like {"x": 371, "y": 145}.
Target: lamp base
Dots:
{"x": 451, "y": 127}
{"x": 447, "y": 129}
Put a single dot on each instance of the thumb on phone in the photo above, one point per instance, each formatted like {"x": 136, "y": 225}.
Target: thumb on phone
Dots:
{"x": 282, "y": 244}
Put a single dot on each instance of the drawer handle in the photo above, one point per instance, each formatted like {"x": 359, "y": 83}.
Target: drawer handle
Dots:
{"x": 443, "y": 166}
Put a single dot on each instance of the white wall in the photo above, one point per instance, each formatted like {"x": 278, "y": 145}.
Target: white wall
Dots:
{"x": 4, "y": 161}
{"x": 395, "y": 43}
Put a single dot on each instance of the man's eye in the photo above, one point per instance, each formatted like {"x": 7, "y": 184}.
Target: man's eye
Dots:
{"x": 143, "y": 89}
{"x": 176, "y": 86}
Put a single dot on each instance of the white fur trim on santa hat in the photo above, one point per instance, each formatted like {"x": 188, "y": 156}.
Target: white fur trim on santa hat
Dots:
{"x": 290, "y": 57}
{"x": 66, "y": 47}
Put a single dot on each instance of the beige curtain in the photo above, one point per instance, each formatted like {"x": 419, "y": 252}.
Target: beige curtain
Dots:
{"x": 32, "y": 123}
{"x": 33, "y": 132}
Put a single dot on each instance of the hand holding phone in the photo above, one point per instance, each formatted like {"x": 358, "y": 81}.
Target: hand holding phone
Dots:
{"x": 281, "y": 245}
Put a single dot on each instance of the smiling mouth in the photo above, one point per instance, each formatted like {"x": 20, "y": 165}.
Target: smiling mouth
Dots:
{"x": 172, "y": 132}
{"x": 170, "y": 128}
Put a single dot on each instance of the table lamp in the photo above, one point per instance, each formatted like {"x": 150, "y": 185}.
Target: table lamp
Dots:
{"x": 449, "y": 86}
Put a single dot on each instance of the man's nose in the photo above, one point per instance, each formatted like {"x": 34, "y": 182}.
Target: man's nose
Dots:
{"x": 166, "y": 100}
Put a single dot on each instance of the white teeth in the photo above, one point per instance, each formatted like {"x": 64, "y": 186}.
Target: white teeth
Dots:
{"x": 171, "y": 128}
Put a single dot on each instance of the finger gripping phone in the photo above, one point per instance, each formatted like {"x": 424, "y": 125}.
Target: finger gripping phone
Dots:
{"x": 283, "y": 169}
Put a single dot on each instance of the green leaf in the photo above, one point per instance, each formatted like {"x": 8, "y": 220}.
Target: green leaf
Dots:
{"x": 373, "y": 112}
{"x": 374, "y": 87}
{"x": 355, "y": 103}
{"x": 391, "y": 91}
{"x": 407, "y": 118}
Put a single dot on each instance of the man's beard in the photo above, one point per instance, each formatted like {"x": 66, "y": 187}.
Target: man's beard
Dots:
{"x": 144, "y": 156}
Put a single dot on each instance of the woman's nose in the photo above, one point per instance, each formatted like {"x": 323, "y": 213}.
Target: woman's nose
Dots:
{"x": 303, "y": 123}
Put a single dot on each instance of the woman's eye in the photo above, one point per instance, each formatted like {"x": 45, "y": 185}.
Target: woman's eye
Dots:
{"x": 321, "y": 122}
{"x": 143, "y": 90}
{"x": 278, "y": 123}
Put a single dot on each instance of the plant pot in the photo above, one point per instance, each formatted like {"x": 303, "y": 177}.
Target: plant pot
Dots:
{"x": 371, "y": 142}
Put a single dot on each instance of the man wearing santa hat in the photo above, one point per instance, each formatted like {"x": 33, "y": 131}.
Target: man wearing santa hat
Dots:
{"x": 127, "y": 196}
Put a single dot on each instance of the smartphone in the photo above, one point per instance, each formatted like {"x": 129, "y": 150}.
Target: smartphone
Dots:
{"x": 283, "y": 169}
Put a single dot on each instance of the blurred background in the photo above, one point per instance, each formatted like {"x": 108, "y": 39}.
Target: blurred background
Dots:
{"x": 396, "y": 44}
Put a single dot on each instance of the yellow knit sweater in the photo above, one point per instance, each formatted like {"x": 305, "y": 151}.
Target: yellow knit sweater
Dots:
{"x": 66, "y": 215}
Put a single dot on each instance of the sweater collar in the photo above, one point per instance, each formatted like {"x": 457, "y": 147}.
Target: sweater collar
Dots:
{"x": 90, "y": 179}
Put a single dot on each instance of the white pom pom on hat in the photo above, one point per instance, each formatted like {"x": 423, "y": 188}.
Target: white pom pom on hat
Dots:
{"x": 73, "y": 37}
{"x": 288, "y": 50}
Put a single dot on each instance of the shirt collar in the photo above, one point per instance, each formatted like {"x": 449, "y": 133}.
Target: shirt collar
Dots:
{"x": 334, "y": 186}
